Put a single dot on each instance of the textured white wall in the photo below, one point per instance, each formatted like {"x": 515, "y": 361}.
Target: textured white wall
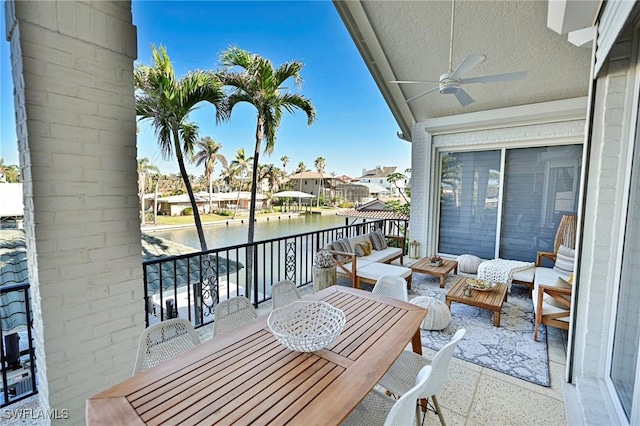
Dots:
{"x": 605, "y": 208}
{"x": 72, "y": 70}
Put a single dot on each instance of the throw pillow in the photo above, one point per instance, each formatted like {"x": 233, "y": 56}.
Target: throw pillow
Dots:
{"x": 564, "y": 260}
{"x": 378, "y": 240}
{"x": 468, "y": 263}
{"x": 363, "y": 249}
{"x": 342, "y": 245}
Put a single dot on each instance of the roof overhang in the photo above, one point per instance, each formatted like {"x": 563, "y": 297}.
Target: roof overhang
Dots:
{"x": 410, "y": 41}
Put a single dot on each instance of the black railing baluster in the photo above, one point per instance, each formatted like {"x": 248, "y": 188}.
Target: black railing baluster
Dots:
{"x": 289, "y": 257}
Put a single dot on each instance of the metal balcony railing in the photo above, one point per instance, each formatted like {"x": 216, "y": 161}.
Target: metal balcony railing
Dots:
{"x": 189, "y": 286}
{"x": 17, "y": 353}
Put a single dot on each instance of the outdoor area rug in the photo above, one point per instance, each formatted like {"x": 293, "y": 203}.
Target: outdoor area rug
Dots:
{"x": 509, "y": 349}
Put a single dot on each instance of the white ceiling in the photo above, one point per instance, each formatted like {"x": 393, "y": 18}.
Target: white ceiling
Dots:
{"x": 409, "y": 40}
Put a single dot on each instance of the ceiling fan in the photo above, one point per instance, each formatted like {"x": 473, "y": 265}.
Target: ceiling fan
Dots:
{"x": 451, "y": 82}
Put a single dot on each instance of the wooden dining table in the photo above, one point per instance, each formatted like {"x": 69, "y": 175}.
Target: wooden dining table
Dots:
{"x": 246, "y": 376}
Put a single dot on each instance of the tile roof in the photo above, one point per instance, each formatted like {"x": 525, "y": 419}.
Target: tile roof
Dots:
{"x": 372, "y": 214}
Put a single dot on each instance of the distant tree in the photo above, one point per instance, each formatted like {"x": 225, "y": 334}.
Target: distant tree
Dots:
{"x": 167, "y": 101}
{"x": 393, "y": 179}
{"x": 9, "y": 173}
{"x": 242, "y": 164}
{"x": 285, "y": 161}
{"x": 208, "y": 152}
{"x": 260, "y": 84}
{"x": 320, "y": 164}
{"x": 229, "y": 176}
{"x": 301, "y": 167}
{"x": 145, "y": 169}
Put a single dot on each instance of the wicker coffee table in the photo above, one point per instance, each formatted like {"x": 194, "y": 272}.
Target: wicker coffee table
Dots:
{"x": 423, "y": 266}
{"x": 491, "y": 300}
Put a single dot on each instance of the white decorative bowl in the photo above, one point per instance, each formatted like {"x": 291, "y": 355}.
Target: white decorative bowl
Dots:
{"x": 306, "y": 326}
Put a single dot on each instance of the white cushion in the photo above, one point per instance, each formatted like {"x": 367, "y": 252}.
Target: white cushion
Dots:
{"x": 375, "y": 270}
{"x": 438, "y": 314}
{"x": 468, "y": 263}
{"x": 382, "y": 255}
{"x": 349, "y": 266}
{"x": 526, "y": 275}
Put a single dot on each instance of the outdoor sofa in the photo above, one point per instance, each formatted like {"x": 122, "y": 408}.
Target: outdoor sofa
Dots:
{"x": 352, "y": 262}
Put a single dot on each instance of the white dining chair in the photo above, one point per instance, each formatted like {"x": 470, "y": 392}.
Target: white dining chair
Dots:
{"x": 377, "y": 408}
{"x": 163, "y": 341}
{"x": 283, "y": 293}
{"x": 392, "y": 286}
{"x": 232, "y": 313}
{"x": 400, "y": 377}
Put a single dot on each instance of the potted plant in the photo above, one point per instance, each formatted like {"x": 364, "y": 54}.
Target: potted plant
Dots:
{"x": 324, "y": 270}
{"x": 435, "y": 260}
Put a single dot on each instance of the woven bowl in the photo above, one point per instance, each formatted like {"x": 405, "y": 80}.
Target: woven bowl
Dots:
{"x": 481, "y": 285}
{"x": 306, "y": 326}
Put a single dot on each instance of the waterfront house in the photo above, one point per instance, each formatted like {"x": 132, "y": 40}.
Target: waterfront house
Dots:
{"x": 72, "y": 65}
{"x": 379, "y": 174}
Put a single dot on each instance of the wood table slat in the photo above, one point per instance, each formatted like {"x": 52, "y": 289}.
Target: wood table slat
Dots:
{"x": 247, "y": 376}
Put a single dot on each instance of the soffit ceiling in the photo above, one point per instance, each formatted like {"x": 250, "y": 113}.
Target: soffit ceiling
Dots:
{"x": 409, "y": 40}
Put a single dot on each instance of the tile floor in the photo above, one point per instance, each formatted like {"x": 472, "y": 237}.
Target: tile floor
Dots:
{"x": 473, "y": 395}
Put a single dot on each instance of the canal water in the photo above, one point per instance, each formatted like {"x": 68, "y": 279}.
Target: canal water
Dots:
{"x": 223, "y": 235}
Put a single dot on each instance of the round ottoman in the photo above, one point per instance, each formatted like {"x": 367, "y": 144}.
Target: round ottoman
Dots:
{"x": 438, "y": 315}
{"x": 468, "y": 264}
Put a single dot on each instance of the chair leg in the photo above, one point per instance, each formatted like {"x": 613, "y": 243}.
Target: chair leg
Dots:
{"x": 438, "y": 411}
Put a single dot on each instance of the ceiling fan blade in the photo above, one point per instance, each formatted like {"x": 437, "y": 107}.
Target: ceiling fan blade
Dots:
{"x": 414, "y": 81}
{"x": 464, "y": 98}
{"x": 422, "y": 94}
{"x": 521, "y": 75}
{"x": 469, "y": 61}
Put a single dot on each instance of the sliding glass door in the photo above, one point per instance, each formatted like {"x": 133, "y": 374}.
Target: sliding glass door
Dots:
{"x": 539, "y": 186}
{"x": 469, "y": 198}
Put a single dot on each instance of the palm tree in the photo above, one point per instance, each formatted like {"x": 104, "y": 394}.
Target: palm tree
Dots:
{"x": 208, "y": 153}
{"x": 144, "y": 169}
{"x": 260, "y": 85}
{"x": 285, "y": 161}
{"x": 167, "y": 102}
{"x": 241, "y": 164}
{"x": 393, "y": 179}
{"x": 229, "y": 177}
{"x": 301, "y": 169}
{"x": 320, "y": 164}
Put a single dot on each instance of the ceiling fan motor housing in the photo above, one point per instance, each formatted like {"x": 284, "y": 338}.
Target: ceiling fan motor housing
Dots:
{"x": 448, "y": 86}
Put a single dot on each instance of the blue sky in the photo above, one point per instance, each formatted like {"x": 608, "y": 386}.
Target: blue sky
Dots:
{"x": 354, "y": 128}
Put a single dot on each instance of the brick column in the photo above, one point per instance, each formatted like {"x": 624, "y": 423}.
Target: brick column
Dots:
{"x": 72, "y": 69}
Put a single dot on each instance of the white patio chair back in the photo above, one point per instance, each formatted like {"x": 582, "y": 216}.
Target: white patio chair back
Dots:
{"x": 232, "y": 313}
{"x": 440, "y": 364}
{"x": 163, "y": 341}
{"x": 283, "y": 293}
{"x": 406, "y": 410}
{"x": 400, "y": 377}
{"x": 377, "y": 408}
{"x": 392, "y": 286}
